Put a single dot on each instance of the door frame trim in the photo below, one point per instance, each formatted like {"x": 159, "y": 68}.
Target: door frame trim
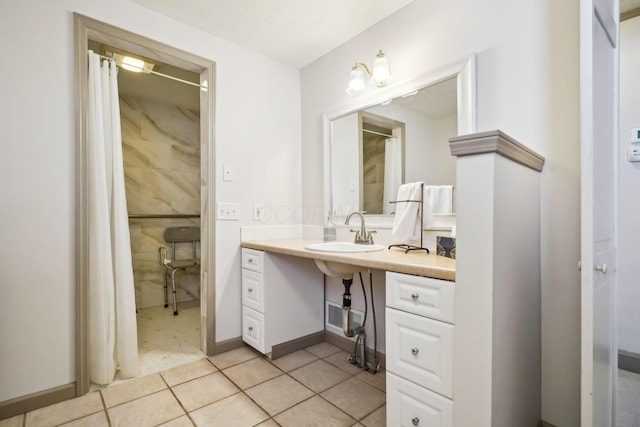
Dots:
{"x": 86, "y": 28}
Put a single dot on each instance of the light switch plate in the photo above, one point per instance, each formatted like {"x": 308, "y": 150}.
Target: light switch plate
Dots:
{"x": 227, "y": 173}
{"x": 228, "y": 211}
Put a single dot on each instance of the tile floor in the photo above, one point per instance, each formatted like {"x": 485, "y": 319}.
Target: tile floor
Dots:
{"x": 311, "y": 387}
{"x": 165, "y": 340}
{"x": 628, "y": 399}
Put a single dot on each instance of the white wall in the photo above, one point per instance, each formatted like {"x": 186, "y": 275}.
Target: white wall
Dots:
{"x": 528, "y": 77}
{"x": 446, "y": 165}
{"x": 629, "y": 181}
{"x": 257, "y": 129}
{"x": 345, "y": 157}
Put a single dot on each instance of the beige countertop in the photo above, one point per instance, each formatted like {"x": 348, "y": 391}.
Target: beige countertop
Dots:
{"x": 415, "y": 262}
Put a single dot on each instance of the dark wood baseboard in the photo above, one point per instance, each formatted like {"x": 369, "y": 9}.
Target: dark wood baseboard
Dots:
{"x": 347, "y": 345}
{"x": 280, "y": 350}
{"x": 22, "y": 404}
{"x": 227, "y": 345}
{"x": 629, "y": 361}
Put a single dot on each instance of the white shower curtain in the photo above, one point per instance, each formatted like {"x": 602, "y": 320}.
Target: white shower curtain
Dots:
{"x": 113, "y": 337}
{"x": 392, "y": 173}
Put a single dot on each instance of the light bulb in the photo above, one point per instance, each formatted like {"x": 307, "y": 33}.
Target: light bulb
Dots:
{"x": 132, "y": 64}
{"x": 381, "y": 75}
{"x": 357, "y": 85}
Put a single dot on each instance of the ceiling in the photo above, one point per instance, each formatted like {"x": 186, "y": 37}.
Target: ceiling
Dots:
{"x": 294, "y": 32}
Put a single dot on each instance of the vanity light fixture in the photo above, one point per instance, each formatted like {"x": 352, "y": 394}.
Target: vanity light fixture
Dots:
{"x": 380, "y": 77}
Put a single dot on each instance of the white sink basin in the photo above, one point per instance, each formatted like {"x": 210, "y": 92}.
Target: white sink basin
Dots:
{"x": 340, "y": 270}
{"x": 345, "y": 247}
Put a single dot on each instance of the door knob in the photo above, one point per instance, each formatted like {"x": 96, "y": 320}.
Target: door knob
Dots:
{"x": 602, "y": 267}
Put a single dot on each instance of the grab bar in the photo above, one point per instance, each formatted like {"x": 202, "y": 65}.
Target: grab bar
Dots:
{"x": 162, "y": 216}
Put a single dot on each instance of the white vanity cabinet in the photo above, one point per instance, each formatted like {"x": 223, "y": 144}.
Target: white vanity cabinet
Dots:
{"x": 282, "y": 299}
{"x": 419, "y": 342}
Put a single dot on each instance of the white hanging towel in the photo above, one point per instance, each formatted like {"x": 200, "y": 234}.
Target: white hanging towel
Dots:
{"x": 440, "y": 198}
{"x": 406, "y": 224}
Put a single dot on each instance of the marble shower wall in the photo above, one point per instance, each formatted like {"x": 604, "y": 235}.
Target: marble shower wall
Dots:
{"x": 373, "y": 172}
{"x": 161, "y": 145}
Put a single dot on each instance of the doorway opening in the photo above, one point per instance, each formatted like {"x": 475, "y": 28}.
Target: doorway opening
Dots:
{"x": 189, "y": 146}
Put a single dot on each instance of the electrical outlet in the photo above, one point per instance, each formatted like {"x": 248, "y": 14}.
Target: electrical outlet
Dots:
{"x": 258, "y": 214}
{"x": 227, "y": 211}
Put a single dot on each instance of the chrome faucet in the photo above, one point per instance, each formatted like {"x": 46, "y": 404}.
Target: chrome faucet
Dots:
{"x": 363, "y": 237}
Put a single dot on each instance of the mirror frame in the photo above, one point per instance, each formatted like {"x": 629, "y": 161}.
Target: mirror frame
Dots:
{"x": 465, "y": 73}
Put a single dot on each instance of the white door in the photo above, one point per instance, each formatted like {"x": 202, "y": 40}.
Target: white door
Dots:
{"x": 599, "y": 124}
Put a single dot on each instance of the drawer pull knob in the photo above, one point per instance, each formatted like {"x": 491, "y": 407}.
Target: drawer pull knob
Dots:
{"x": 415, "y": 421}
{"x": 250, "y": 290}
{"x": 250, "y": 260}
{"x": 415, "y": 296}
{"x": 250, "y": 328}
{"x": 415, "y": 351}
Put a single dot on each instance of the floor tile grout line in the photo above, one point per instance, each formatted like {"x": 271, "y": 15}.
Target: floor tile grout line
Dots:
{"x": 243, "y": 389}
{"x": 138, "y": 397}
{"x": 230, "y": 366}
{"x": 311, "y": 397}
{"x": 339, "y": 409}
{"x": 290, "y": 376}
{"x": 350, "y": 376}
{"x": 178, "y": 400}
{"x": 67, "y": 421}
{"x": 336, "y": 406}
{"x": 269, "y": 416}
{"x": 286, "y": 409}
{"x": 104, "y": 406}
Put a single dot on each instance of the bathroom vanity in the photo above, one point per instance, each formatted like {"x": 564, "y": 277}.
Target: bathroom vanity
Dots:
{"x": 420, "y": 292}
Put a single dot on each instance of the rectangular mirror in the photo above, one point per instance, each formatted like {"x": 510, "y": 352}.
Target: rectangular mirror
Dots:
{"x": 375, "y": 149}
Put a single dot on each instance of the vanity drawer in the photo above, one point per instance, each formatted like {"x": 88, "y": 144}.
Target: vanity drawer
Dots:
{"x": 253, "y": 260}
{"x": 420, "y": 349}
{"x": 253, "y": 328}
{"x": 409, "y": 404}
{"x": 253, "y": 290}
{"x": 424, "y": 296}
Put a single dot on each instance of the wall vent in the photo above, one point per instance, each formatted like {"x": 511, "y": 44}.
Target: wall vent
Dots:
{"x": 333, "y": 318}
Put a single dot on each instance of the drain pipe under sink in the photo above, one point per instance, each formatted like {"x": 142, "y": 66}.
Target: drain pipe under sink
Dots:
{"x": 346, "y": 323}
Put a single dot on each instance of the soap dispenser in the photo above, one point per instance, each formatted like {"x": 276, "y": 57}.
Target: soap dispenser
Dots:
{"x": 329, "y": 229}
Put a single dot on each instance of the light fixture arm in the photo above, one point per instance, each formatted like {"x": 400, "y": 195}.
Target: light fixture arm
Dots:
{"x": 380, "y": 75}
{"x": 363, "y": 65}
